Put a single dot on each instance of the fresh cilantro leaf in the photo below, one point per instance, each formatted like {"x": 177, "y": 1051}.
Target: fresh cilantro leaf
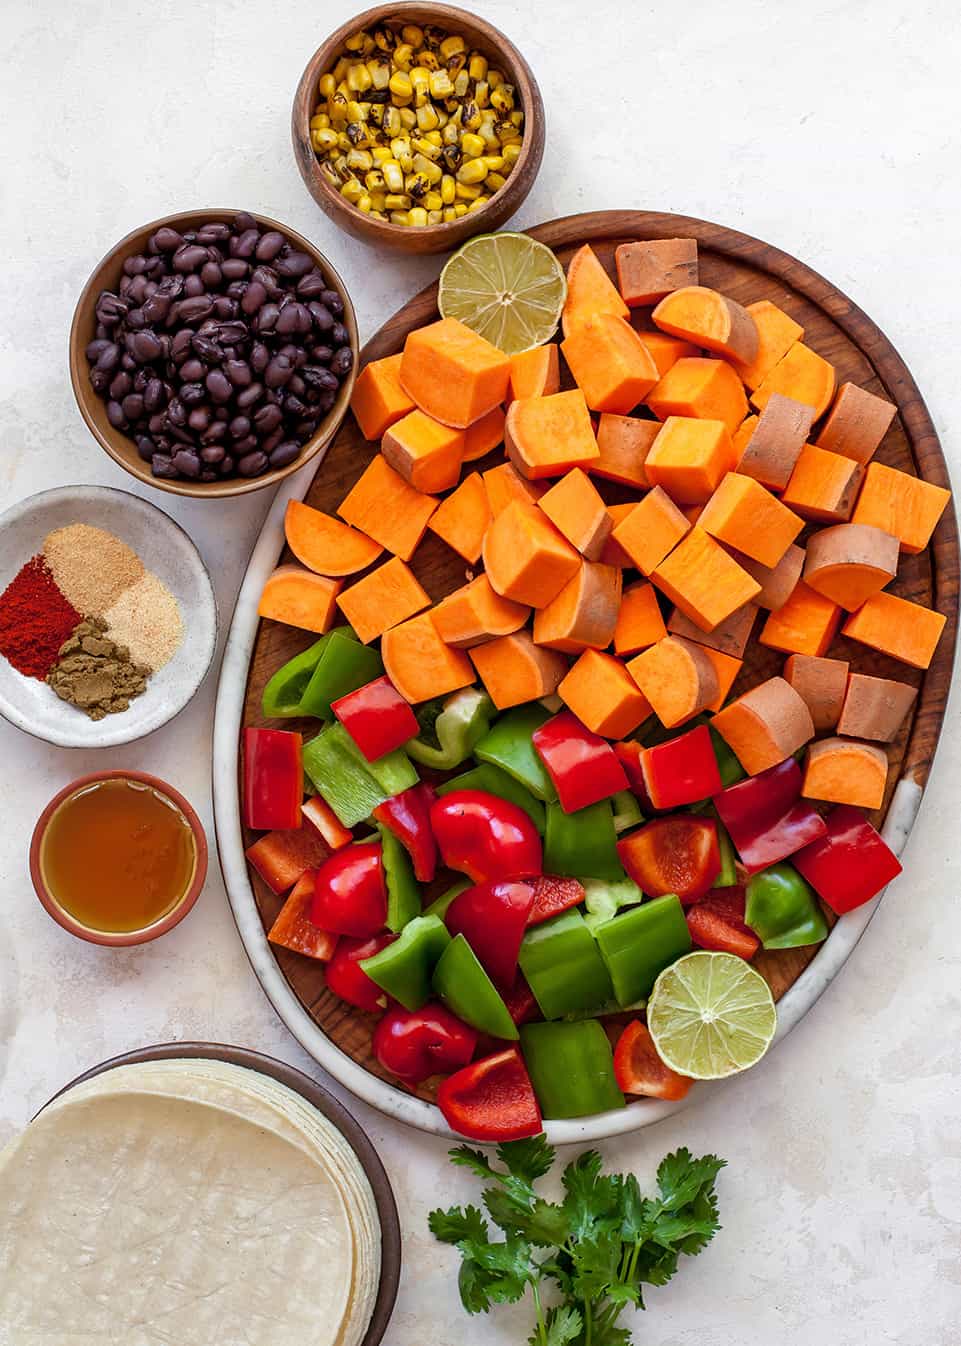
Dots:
{"x": 609, "y": 1334}
{"x": 503, "y": 1269}
{"x": 527, "y": 1159}
{"x": 540, "y": 1222}
{"x": 476, "y": 1160}
{"x": 596, "y": 1259}
{"x": 635, "y": 1217}
{"x": 680, "y": 1177}
{"x": 562, "y": 1325}
{"x": 472, "y": 1283}
{"x": 457, "y": 1224}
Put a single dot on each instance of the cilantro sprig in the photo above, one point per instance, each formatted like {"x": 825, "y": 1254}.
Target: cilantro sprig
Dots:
{"x": 598, "y": 1246}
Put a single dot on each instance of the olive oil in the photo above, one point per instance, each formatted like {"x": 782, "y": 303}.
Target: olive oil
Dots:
{"x": 117, "y": 855}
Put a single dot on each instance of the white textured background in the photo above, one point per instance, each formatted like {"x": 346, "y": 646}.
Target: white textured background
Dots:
{"x": 830, "y": 129}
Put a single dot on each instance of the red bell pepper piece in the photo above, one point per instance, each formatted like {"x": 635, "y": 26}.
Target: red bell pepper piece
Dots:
{"x": 407, "y": 815}
{"x": 639, "y": 1070}
{"x": 319, "y": 813}
{"x": 766, "y": 817}
{"x": 552, "y": 895}
{"x": 681, "y": 771}
{"x": 348, "y": 980}
{"x": 492, "y": 917}
{"x": 293, "y": 928}
{"x": 629, "y": 754}
{"x": 415, "y": 1044}
{"x": 850, "y": 864}
{"x": 377, "y": 718}
{"x": 520, "y": 1002}
{"x": 492, "y": 1099}
{"x": 582, "y": 766}
{"x": 485, "y": 837}
{"x": 273, "y": 779}
{"x": 282, "y": 858}
{"x": 350, "y": 896}
{"x": 717, "y": 923}
{"x": 673, "y": 855}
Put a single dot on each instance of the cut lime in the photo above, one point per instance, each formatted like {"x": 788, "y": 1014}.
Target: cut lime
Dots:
{"x": 711, "y": 1015}
{"x": 507, "y": 287}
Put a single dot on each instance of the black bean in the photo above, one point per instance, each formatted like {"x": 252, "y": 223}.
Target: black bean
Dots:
{"x": 196, "y": 308}
{"x": 162, "y": 466}
{"x": 146, "y": 447}
{"x": 267, "y": 317}
{"x": 187, "y": 462}
{"x": 133, "y": 266}
{"x": 189, "y": 257}
{"x": 115, "y": 415}
{"x": 269, "y": 279}
{"x": 156, "y": 267}
{"x": 213, "y": 233}
{"x": 284, "y": 453}
{"x": 192, "y": 370}
{"x": 250, "y": 396}
{"x": 259, "y": 357}
{"x": 166, "y": 239}
{"x": 235, "y": 268}
{"x": 215, "y": 432}
{"x": 293, "y": 405}
{"x": 236, "y": 290}
{"x": 176, "y": 412}
{"x": 304, "y": 429}
{"x": 254, "y": 296}
{"x": 267, "y": 419}
{"x": 225, "y": 307}
{"x": 156, "y": 308}
{"x": 109, "y": 357}
{"x": 153, "y": 395}
{"x": 132, "y": 406}
{"x": 278, "y": 371}
{"x": 311, "y": 285}
{"x": 294, "y": 264}
{"x": 120, "y": 385}
{"x": 137, "y": 290}
{"x": 321, "y": 379}
{"x": 238, "y": 371}
{"x": 192, "y": 394}
{"x": 342, "y": 362}
{"x": 157, "y": 422}
{"x": 140, "y": 380}
{"x": 199, "y": 419}
{"x": 270, "y": 443}
{"x": 208, "y": 349}
{"x": 269, "y": 246}
{"x": 326, "y": 400}
{"x": 146, "y": 346}
{"x": 244, "y": 220}
{"x": 243, "y": 244}
{"x": 232, "y": 333}
{"x": 228, "y": 466}
{"x": 128, "y": 362}
{"x": 94, "y": 348}
{"x": 218, "y": 385}
{"x": 333, "y": 301}
{"x": 297, "y": 386}
{"x": 293, "y": 318}
{"x": 182, "y": 436}
{"x": 244, "y": 445}
{"x": 339, "y": 335}
{"x": 239, "y": 427}
{"x": 162, "y": 442}
{"x": 100, "y": 332}
{"x": 252, "y": 464}
{"x": 321, "y": 316}
{"x": 193, "y": 287}
{"x": 322, "y": 355}
{"x": 213, "y": 453}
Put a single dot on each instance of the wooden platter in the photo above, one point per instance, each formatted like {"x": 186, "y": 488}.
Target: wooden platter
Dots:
{"x": 747, "y": 270}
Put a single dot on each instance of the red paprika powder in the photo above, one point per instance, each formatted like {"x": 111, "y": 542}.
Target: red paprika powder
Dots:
{"x": 35, "y": 620}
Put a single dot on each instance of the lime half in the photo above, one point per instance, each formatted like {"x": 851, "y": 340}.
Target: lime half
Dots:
{"x": 711, "y": 1015}
{"x": 507, "y": 287}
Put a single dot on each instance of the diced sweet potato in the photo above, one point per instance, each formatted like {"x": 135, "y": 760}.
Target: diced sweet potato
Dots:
{"x": 639, "y": 620}
{"x": 463, "y": 518}
{"x": 689, "y": 457}
{"x": 771, "y": 448}
{"x": 590, "y": 291}
{"x": 293, "y": 928}
{"x": 536, "y": 373}
{"x": 324, "y": 544}
{"x": 418, "y": 662}
{"x": 650, "y": 530}
{"x": 850, "y": 562}
{"x": 776, "y": 334}
{"x": 385, "y": 507}
{"x": 504, "y": 484}
{"x": 526, "y": 558}
{"x": 484, "y": 435}
{"x": 708, "y": 319}
{"x": 806, "y": 624}
{"x": 623, "y": 444}
{"x": 547, "y": 436}
{"x": 730, "y": 636}
{"x": 603, "y": 695}
{"x": 726, "y": 668}
{"x": 841, "y": 771}
{"x": 300, "y": 598}
{"x": 705, "y": 582}
{"x": 666, "y": 350}
{"x": 453, "y": 374}
{"x": 388, "y": 595}
{"x": 677, "y": 678}
{"x": 576, "y": 510}
{"x": 898, "y": 627}
{"x": 378, "y": 400}
{"x": 706, "y": 389}
{"x": 742, "y": 435}
{"x": 875, "y": 708}
{"x": 801, "y": 374}
{"x": 857, "y": 423}
{"x": 901, "y": 504}
{"x": 822, "y": 685}
{"x": 742, "y": 514}
{"x": 765, "y": 725}
{"x": 514, "y": 670}
{"x": 613, "y": 553}
{"x": 427, "y": 454}
{"x": 779, "y": 583}
{"x": 651, "y": 268}
{"x": 610, "y": 363}
{"x": 823, "y": 486}
{"x": 584, "y": 613}
{"x": 475, "y": 613}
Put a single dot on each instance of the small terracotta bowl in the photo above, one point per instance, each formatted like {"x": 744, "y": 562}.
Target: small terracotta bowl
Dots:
{"x": 431, "y": 237}
{"x": 127, "y": 937}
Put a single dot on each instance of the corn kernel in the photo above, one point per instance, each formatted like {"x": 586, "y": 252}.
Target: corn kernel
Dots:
{"x": 358, "y": 78}
{"x": 494, "y": 78}
{"x": 450, "y": 214}
{"x": 448, "y": 189}
{"x": 375, "y": 118}
{"x": 450, "y": 134}
{"x": 427, "y": 118}
{"x": 460, "y": 210}
{"x": 461, "y": 83}
{"x": 323, "y": 140}
{"x": 380, "y": 154}
{"x": 482, "y": 93}
{"x": 417, "y": 216}
{"x": 517, "y": 118}
{"x": 477, "y": 67}
{"x": 339, "y": 71}
{"x": 478, "y": 204}
{"x": 489, "y": 135}
{"x": 416, "y": 186}
{"x": 494, "y": 162}
{"x": 319, "y": 121}
{"x": 420, "y": 79}
{"x": 434, "y": 138}
{"x": 471, "y": 116}
{"x": 431, "y": 171}
{"x": 337, "y": 107}
{"x": 452, "y": 46}
{"x": 379, "y": 69}
{"x": 391, "y": 121}
{"x": 399, "y": 217}
{"x": 397, "y": 201}
{"x": 407, "y": 119}
{"x": 472, "y": 145}
{"x": 441, "y": 85}
{"x": 494, "y": 181}
{"x": 357, "y": 112}
{"x": 326, "y": 85}
{"x": 403, "y": 56}
{"x": 413, "y": 34}
{"x": 465, "y": 191}
{"x": 363, "y": 203}
{"x": 374, "y": 181}
{"x": 435, "y": 217}
{"x": 384, "y": 39}
{"x": 502, "y": 98}
{"x": 510, "y": 156}
{"x": 352, "y": 190}
{"x": 426, "y": 147}
{"x": 401, "y": 86}
{"x": 356, "y": 40}
{"x": 393, "y": 175}
{"x": 433, "y": 200}
{"x": 344, "y": 141}
{"x": 474, "y": 171}
{"x": 378, "y": 202}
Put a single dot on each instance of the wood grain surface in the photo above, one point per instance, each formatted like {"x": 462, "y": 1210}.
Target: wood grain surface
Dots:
{"x": 747, "y": 270}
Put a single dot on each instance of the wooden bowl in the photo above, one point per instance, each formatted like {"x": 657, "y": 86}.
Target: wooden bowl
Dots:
{"x": 93, "y": 409}
{"x": 431, "y": 237}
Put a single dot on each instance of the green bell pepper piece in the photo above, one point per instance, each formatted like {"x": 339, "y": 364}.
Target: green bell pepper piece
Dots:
{"x": 468, "y": 992}
{"x": 405, "y": 968}
{"x": 639, "y": 944}
{"x": 782, "y": 909}
{"x": 729, "y": 767}
{"x": 571, "y": 1066}
{"x": 403, "y": 891}
{"x": 394, "y": 772}
{"x": 563, "y": 966}
{"x": 440, "y": 904}
{"x": 727, "y": 876}
{"x": 582, "y": 844}
{"x": 284, "y": 691}
{"x": 330, "y": 764}
{"x": 627, "y": 811}
{"x": 604, "y": 898}
{"x": 509, "y": 745}
{"x": 450, "y": 728}
{"x": 497, "y": 782}
{"x": 344, "y": 665}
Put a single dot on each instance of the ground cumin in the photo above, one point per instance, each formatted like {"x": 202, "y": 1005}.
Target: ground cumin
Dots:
{"x": 96, "y": 674}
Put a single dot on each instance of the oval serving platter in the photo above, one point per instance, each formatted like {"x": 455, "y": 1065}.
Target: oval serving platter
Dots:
{"x": 746, "y": 269}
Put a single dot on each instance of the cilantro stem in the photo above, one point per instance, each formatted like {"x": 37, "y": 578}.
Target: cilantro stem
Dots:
{"x": 588, "y": 1322}
{"x": 541, "y": 1326}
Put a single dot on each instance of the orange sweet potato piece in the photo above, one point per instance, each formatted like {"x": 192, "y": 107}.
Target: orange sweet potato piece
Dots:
{"x": 590, "y": 291}
{"x": 504, "y": 484}
{"x": 463, "y": 518}
{"x": 324, "y": 544}
{"x": 841, "y": 771}
{"x": 526, "y": 558}
{"x": 613, "y": 553}
{"x": 708, "y": 319}
{"x": 547, "y": 436}
{"x": 857, "y": 423}
{"x": 388, "y": 595}
{"x": 823, "y": 486}
{"x": 776, "y": 334}
{"x": 623, "y": 444}
{"x": 452, "y": 373}
{"x": 765, "y": 725}
{"x": 850, "y": 562}
{"x": 603, "y": 695}
{"x": 639, "y": 621}
{"x": 705, "y": 582}
{"x": 726, "y": 668}
{"x": 584, "y": 613}
{"x": 901, "y": 504}
{"x": 514, "y": 670}
{"x": 610, "y": 363}
{"x": 779, "y": 583}
{"x": 418, "y": 662}
{"x": 424, "y": 452}
{"x": 806, "y": 624}
{"x": 875, "y": 708}
{"x": 742, "y": 435}
{"x": 576, "y": 510}
{"x": 801, "y": 374}
{"x": 666, "y": 350}
{"x": 536, "y": 373}
{"x": 378, "y": 400}
{"x": 821, "y": 684}
{"x": 475, "y": 613}
{"x": 385, "y": 507}
{"x": 742, "y": 514}
{"x": 300, "y": 598}
{"x": 293, "y": 928}
{"x": 650, "y": 530}
{"x": 484, "y": 435}
{"x": 706, "y": 389}
{"x": 677, "y": 679}
{"x": 689, "y": 457}
{"x": 651, "y": 268}
{"x": 730, "y": 636}
{"x": 770, "y": 449}
{"x": 898, "y": 627}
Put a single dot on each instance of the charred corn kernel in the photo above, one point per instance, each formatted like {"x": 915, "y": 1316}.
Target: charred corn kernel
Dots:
{"x": 326, "y": 85}
{"x": 482, "y": 93}
{"x": 441, "y": 84}
{"x": 319, "y": 121}
{"x": 379, "y": 69}
{"x": 502, "y": 98}
{"x": 510, "y": 156}
{"x": 323, "y": 140}
{"x": 337, "y": 107}
{"x": 448, "y": 189}
{"x": 413, "y": 34}
{"x": 352, "y": 190}
{"x": 435, "y": 217}
{"x": 380, "y": 154}
{"x": 356, "y": 40}
{"x": 344, "y": 141}
{"x": 357, "y": 135}
{"x": 384, "y": 39}
{"x": 506, "y": 133}
{"x": 374, "y": 180}
{"x": 427, "y": 118}
{"x": 356, "y": 111}
{"x": 450, "y": 134}
{"x": 420, "y": 79}
{"x": 339, "y": 71}
{"x": 474, "y": 171}
{"x": 397, "y": 201}
{"x": 358, "y": 78}
{"x": 427, "y": 60}
{"x": 407, "y": 119}
{"x": 431, "y": 171}
{"x": 399, "y": 217}
{"x": 470, "y": 115}
{"x": 376, "y": 115}
{"x": 416, "y": 186}
{"x": 452, "y": 45}
{"x": 401, "y": 86}
{"x": 465, "y": 191}
{"x": 417, "y": 215}
{"x": 391, "y": 121}
{"x": 330, "y": 173}
{"x": 517, "y": 117}
{"x": 434, "y": 138}
{"x": 494, "y": 78}
{"x": 379, "y": 214}
{"x": 363, "y": 203}
{"x": 403, "y": 56}
{"x": 433, "y": 201}
{"x": 494, "y": 181}
{"x": 477, "y": 66}
{"x": 461, "y": 83}
{"x": 460, "y": 210}
{"x": 471, "y": 145}
{"x": 393, "y": 175}
{"x": 426, "y": 147}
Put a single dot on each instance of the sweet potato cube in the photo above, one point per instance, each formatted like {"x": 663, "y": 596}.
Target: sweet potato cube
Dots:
{"x": 623, "y": 444}
{"x": 584, "y": 613}
{"x": 742, "y": 435}
{"x": 613, "y": 553}
{"x": 905, "y": 506}
{"x": 603, "y": 695}
{"x": 777, "y": 583}
{"x": 850, "y": 562}
{"x": 590, "y": 291}
{"x": 677, "y": 678}
{"x": 420, "y": 664}
{"x": 841, "y": 771}
{"x": 324, "y": 544}
{"x": 744, "y": 515}
{"x": 666, "y": 350}
{"x": 771, "y": 447}
{"x": 514, "y": 670}
{"x": 639, "y": 621}
{"x": 898, "y": 627}
{"x": 427, "y": 454}
{"x": 651, "y": 268}
{"x": 776, "y": 334}
{"x": 300, "y": 598}
{"x": 610, "y": 363}
{"x": 765, "y": 725}
{"x": 822, "y": 685}
{"x": 857, "y": 423}
{"x": 875, "y": 708}
{"x": 388, "y": 595}
{"x": 378, "y": 400}
{"x": 806, "y": 624}
{"x": 706, "y": 389}
{"x": 730, "y": 636}
{"x": 385, "y": 507}
{"x": 709, "y": 319}
{"x": 689, "y": 457}
{"x": 704, "y": 581}
{"x": 475, "y": 613}
{"x": 801, "y": 374}
{"x": 504, "y": 484}
{"x": 484, "y": 435}
{"x": 463, "y": 518}
{"x": 452, "y": 373}
{"x": 526, "y": 558}
{"x": 536, "y": 373}
{"x": 823, "y": 486}
{"x": 547, "y": 436}
{"x": 726, "y": 669}
{"x": 650, "y": 530}
{"x": 576, "y": 510}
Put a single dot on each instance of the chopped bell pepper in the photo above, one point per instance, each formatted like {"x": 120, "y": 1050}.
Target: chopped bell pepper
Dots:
{"x": 283, "y": 858}
{"x": 344, "y": 665}
{"x": 682, "y": 770}
{"x": 414, "y": 1045}
{"x": 448, "y": 729}
{"x": 346, "y": 978}
{"x": 377, "y": 717}
{"x": 349, "y": 893}
{"x": 492, "y": 917}
{"x": 284, "y": 691}
{"x": 520, "y": 1002}
{"x": 552, "y": 895}
{"x": 485, "y": 837}
{"x": 677, "y": 854}
{"x": 727, "y": 763}
{"x": 352, "y": 786}
{"x": 581, "y": 764}
{"x": 571, "y": 1067}
{"x": 440, "y": 904}
{"x": 403, "y": 894}
{"x": 509, "y": 745}
{"x": 319, "y": 813}
{"x": 494, "y": 781}
{"x": 850, "y": 864}
{"x": 782, "y": 909}
{"x": 491, "y": 1099}
{"x": 727, "y": 874}
{"x": 404, "y": 967}
{"x": 639, "y": 1070}
{"x": 582, "y": 845}
{"x": 466, "y": 990}
{"x": 563, "y": 967}
{"x": 766, "y": 817}
{"x": 626, "y": 810}
{"x": 604, "y": 898}
{"x": 273, "y": 779}
{"x": 639, "y": 944}
{"x": 407, "y": 816}
{"x": 293, "y": 928}
{"x": 717, "y": 923}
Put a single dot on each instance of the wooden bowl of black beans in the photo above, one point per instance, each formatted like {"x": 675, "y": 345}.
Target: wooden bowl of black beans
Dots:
{"x": 213, "y": 352}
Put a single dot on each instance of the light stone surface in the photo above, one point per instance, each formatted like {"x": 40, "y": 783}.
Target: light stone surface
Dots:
{"x": 831, "y": 132}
